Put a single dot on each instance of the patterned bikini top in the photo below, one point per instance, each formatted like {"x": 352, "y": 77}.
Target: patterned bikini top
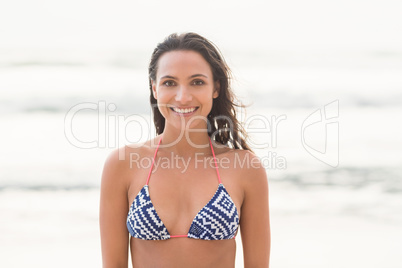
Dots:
{"x": 217, "y": 220}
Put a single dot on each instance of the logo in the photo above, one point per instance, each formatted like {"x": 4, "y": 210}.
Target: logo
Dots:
{"x": 320, "y": 134}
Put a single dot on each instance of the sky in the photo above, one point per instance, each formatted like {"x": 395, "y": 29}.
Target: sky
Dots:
{"x": 120, "y": 24}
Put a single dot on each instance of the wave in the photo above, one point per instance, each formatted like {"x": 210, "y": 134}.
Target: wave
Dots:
{"x": 45, "y": 187}
{"x": 127, "y": 104}
{"x": 385, "y": 179}
{"x": 288, "y": 100}
{"x": 70, "y": 64}
{"x": 124, "y": 104}
{"x": 133, "y": 58}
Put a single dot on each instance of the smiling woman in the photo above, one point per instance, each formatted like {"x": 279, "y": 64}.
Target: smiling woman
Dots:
{"x": 184, "y": 87}
{"x": 196, "y": 212}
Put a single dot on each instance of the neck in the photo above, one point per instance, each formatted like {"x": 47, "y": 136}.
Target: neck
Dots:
{"x": 185, "y": 143}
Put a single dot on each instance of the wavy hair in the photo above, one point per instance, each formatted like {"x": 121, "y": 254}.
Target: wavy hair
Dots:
{"x": 223, "y": 125}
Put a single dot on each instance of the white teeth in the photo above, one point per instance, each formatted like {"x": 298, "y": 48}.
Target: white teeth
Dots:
{"x": 184, "y": 111}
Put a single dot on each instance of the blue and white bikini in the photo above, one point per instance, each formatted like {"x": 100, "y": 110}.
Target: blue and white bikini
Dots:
{"x": 217, "y": 220}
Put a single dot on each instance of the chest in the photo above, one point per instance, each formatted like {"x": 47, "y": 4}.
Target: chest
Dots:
{"x": 178, "y": 195}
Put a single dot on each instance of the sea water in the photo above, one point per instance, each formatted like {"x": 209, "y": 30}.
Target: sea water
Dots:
{"x": 335, "y": 186}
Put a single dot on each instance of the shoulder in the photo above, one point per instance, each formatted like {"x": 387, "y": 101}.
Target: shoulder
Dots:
{"x": 123, "y": 155}
{"x": 251, "y": 172}
{"x": 121, "y": 162}
{"x": 241, "y": 160}
{"x": 245, "y": 164}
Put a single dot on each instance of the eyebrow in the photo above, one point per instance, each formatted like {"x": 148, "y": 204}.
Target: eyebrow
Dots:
{"x": 172, "y": 77}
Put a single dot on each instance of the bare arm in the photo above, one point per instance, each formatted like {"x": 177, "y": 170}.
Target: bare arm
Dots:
{"x": 254, "y": 223}
{"x": 112, "y": 214}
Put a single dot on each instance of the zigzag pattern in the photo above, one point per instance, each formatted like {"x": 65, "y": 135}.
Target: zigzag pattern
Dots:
{"x": 142, "y": 221}
{"x": 218, "y": 220}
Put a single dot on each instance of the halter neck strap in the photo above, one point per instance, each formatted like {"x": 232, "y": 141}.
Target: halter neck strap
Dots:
{"x": 213, "y": 153}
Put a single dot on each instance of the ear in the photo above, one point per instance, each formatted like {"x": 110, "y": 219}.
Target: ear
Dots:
{"x": 154, "y": 89}
{"x": 217, "y": 89}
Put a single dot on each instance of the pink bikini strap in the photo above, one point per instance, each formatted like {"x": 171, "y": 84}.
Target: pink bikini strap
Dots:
{"x": 156, "y": 150}
{"x": 216, "y": 165}
{"x": 153, "y": 161}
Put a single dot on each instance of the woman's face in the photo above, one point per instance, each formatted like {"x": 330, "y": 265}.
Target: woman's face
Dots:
{"x": 184, "y": 89}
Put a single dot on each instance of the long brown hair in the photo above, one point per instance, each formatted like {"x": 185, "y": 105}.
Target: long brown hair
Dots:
{"x": 223, "y": 125}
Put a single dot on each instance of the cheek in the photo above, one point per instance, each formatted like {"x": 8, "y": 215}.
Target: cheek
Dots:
{"x": 162, "y": 97}
{"x": 207, "y": 102}
{"x": 162, "y": 101}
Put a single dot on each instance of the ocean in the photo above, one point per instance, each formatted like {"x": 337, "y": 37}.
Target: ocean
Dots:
{"x": 325, "y": 124}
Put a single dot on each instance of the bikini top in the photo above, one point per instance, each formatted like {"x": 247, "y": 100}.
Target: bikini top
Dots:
{"x": 217, "y": 220}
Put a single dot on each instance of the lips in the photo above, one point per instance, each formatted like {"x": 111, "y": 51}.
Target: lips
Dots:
{"x": 184, "y": 110}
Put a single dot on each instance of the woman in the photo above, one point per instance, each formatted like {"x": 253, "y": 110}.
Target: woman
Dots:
{"x": 202, "y": 178}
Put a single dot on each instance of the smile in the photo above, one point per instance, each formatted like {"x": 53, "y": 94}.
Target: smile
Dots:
{"x": 184, "y": 111}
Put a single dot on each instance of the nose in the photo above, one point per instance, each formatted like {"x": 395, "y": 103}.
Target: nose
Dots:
{"x": 183, "y": 95}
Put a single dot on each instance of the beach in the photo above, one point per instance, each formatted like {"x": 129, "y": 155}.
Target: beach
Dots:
{"x": 312, "y": 228}
{"x": 341, "y": 211}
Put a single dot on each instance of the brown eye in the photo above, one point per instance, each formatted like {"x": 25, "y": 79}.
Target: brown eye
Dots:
{"x": 198, "y": 82}
{"x": 168, "y": 83}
